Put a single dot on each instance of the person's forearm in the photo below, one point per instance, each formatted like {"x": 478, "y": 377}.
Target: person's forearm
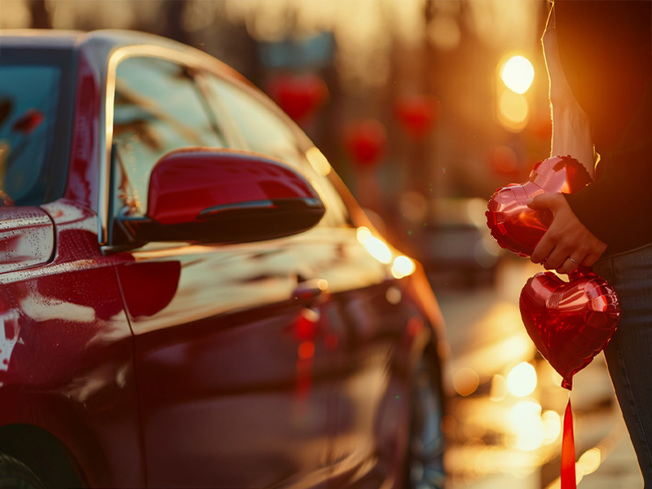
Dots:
{"x": 571, "y": 134}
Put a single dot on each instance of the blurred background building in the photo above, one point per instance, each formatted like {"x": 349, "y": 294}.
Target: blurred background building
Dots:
{"x": 413, "y": 101}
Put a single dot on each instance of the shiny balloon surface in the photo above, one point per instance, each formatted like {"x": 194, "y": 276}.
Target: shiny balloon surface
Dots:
{"x": 513, "y": 224}
{"x": 569, "y": 322}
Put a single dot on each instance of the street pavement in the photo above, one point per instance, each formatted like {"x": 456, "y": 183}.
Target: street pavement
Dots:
{"x": 618, "y": 469}
{"x": 611, "y": 462}
{"x": 495, "y": 440}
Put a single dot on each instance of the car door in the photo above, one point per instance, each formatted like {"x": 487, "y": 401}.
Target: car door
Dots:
{"x": 230, "y": 358}
{"x": 375, "y": 333}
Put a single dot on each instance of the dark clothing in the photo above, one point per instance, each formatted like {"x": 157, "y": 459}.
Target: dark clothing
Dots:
{"x": 605, "y": 49}
{"x": 628, "y": 352}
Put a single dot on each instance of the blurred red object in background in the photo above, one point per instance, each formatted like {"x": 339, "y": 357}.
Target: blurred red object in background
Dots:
{"x": 417, "y": 114}
{"x": 365, "y": 141}
{"x": 300, "y": 96}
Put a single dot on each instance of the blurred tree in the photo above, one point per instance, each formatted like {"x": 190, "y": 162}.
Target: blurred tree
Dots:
{"x": 173, "y": 23}
{"x": 40, "y": 14}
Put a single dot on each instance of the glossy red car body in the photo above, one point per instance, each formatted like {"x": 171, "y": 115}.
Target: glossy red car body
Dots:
{"x": 175, "y": 346}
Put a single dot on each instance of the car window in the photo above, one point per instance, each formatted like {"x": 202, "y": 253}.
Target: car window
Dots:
{"x": 157, "y": 108}
{"x": 262, "y": 130}
{"x": 35, "y": 102}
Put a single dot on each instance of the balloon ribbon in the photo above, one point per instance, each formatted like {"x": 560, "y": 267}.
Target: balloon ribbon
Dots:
{"x": 568, "y": 480}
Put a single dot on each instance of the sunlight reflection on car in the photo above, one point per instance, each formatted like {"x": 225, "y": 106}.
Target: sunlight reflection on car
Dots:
{"x": 185, "y": 278}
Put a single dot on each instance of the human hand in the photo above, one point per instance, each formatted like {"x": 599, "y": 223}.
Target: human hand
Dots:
{"x": 567, "y": 244}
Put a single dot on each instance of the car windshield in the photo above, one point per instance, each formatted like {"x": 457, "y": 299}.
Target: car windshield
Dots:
{"x": 34, "y": 124}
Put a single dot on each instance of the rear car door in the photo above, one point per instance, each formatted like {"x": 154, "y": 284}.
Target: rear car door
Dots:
{"x": 66, "y": 377}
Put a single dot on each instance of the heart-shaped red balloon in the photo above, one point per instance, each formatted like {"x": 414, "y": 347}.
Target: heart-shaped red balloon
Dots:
{"x": 569, "y": 322}
{"x": 513, "y": 224}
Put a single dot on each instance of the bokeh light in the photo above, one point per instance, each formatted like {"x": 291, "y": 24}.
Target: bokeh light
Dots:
{"x": 589, "y": 461}
{"x": 518, "y": 74}
{"x": 528, "y": 429}
{"x": 466, "y": 381}
{"x": 318, "y": 161}
{"x": 375, "y": 246}
{"x": 551, "y": 426}
{"x": 403, "y": 266}
{"x": 522, "y": 380}
{"x": 513, "y": 110}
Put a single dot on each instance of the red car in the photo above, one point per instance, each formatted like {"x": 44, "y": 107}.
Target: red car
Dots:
{"x": 188, "y": 295}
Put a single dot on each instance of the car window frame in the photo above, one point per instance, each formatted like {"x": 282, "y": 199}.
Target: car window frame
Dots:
{"x": 200, "y": 63}
{"x": 189, "y": 60}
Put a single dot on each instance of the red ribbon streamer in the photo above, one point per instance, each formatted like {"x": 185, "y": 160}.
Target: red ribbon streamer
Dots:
{"x": 568, "y": 480}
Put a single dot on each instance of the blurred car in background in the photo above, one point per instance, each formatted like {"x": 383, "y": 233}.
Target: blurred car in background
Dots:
{"x": 456, "y": 242}
{"x": 189, "y": 295}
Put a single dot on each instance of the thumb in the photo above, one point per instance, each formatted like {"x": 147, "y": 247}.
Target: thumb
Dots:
{"x": 542, "y": 201}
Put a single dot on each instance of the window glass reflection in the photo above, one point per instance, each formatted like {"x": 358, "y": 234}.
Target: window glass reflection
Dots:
{"x": 261, "y": 130}
{"x": 157, "y": 108}
{"x": 28, "y": 111}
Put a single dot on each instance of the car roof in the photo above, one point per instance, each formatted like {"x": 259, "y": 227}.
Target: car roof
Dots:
{"x": 105, "y": 41}
{"x": 110, "y": 38}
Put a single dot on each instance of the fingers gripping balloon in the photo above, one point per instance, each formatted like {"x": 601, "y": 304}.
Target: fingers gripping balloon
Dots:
{"x": 569, "y": 322}
{"x": 513, "y": 224}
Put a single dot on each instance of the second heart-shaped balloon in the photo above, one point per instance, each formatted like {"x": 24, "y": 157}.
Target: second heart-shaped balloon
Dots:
{"x": 569, "y": 322}
{"x": 513, "y": 224}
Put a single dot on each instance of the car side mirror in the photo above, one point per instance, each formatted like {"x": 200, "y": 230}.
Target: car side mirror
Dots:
{"x": 201, "y": 194}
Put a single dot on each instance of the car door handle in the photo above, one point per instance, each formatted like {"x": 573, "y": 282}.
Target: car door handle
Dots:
{"x": 308, "y": 290}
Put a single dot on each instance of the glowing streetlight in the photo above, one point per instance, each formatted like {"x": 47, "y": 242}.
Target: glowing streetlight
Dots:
{"x": 518, "y": 74}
